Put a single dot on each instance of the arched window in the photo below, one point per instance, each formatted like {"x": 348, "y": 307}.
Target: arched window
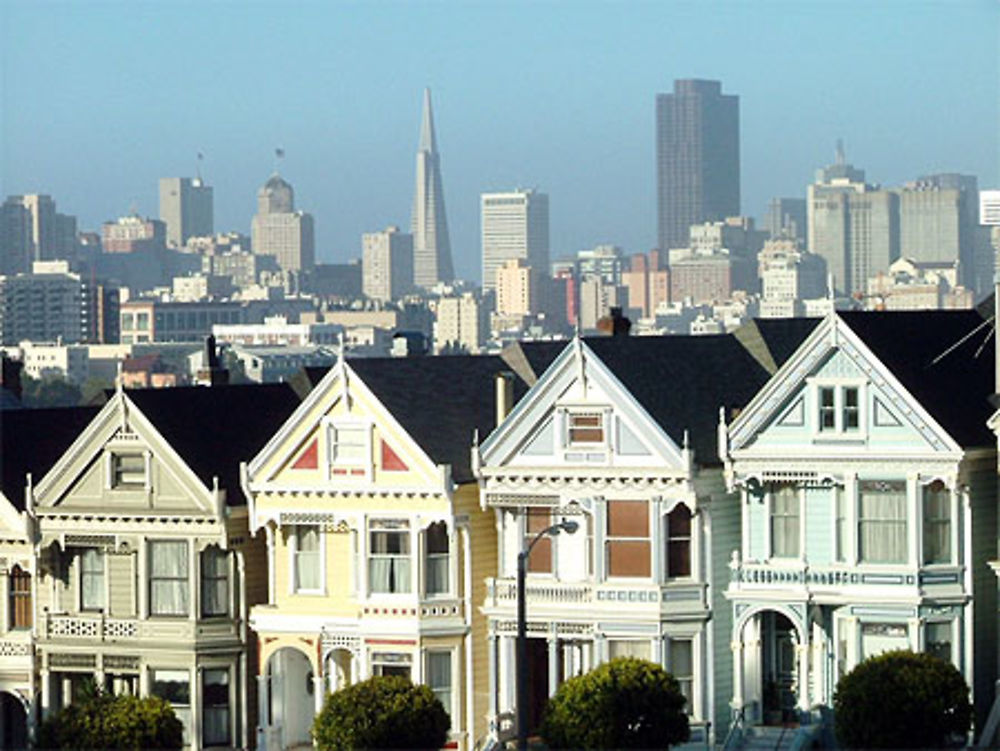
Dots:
{"x": 20, "y": 598}
{"x": 679, "y": 542}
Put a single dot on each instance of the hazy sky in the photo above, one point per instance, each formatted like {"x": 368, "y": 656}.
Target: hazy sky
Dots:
{"x": 100, "y": 99}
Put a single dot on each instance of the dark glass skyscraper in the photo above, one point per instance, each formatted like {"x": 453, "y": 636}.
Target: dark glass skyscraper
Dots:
{"x": 697, "y": 158}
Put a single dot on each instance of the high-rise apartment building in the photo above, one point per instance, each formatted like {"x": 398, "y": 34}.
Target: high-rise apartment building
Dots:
{"x": 515, "y": 225}
{"x": 186, "y": 207}
{"x": 52, "y": 304}
{"x": 852, "y": 225}
{"x": 429, "y": 225}
{"x": 460, "y": 324}
{"x": 386, "y": 264}
{"x": 32, "y": 230}
{"x": 647, "y": 282}
{"x": 697, "y": 158}
{"x": 605, "y": 261}
{"x": 786, "y": 217}
{"x": 279, "y": 230}
{"x": 517, "y": 289}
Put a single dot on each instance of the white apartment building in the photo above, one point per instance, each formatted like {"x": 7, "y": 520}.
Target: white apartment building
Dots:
{"x": 386, "y": 264}
{"x": 462, "y": 323}
{"x": 276, "y": 330}
{"x": 514, "y": 225}
{"x": 48, "y": 359}
{"x": 517, "y": 289}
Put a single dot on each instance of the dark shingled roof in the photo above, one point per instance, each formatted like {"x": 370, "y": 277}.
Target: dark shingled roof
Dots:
{"x": 440, "y": 401}
{"x": 32, "y": 440}
{"x": 774, "y": 340}
{"x": 954, "y": 387}
{"x": 681, "y": 381}
{"x": 214, "y": 428}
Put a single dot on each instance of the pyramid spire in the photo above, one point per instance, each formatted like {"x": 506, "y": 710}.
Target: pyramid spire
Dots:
{"x": 427, "y": 140}
{"x": 428, "y": 224}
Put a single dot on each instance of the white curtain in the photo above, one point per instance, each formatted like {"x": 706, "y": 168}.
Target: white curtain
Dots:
{"x": 307, "y": 558}
{"x": 389, "y": 562}
{"x": 882, "y": 526}
{"x": 785, "y": 522}
{"x": 937, "y": 524}
{"x": 628, "y": 648}
{"x": 682, "y": 668}
{"x": 92, "y": 579}
{"x": 439, "y": 677}
{"x": 168, "y": 578}
{"x": 214, "y": 582}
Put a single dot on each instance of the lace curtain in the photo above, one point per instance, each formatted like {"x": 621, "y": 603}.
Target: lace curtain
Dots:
{"x": 882, "y": 522}
{"x": 168, "y": 578}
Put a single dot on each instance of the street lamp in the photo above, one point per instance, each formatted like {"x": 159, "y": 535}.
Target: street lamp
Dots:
{"x": 569, "y": 527}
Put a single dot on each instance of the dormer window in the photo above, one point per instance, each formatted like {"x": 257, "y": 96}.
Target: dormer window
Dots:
{"x": 585, "y": 428}
{"x": 128, "y": 471}
{"x": 838, "y": 409}
{"x": 349, "y": 449}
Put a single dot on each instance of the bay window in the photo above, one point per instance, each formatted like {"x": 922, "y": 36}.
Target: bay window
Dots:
{"x": 306, "y": 563}
{"x": 937, "y": 523}
{"x": 389, "y": 557}
{"x": 882, "y": 521}
{"x": 784, "y": 521}
{"x": 214, "y": 582}
{"x": 627, "y": 544}
{"x": 678, "y": 537}
{"x": 168, "y": 577}
{"x": 437, "y": 568}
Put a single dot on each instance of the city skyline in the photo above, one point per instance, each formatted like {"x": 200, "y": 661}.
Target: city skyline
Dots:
{"x": 573, "y": 116}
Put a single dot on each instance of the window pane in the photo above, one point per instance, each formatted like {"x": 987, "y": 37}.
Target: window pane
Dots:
{"x": 937, "y": 639}
{"x": 628, "y": 519}
{"x": 168, "y": 578}
{"x": 785, "y": 521}
{"x": 682, "y": 668}
{"x": 439, "y": 677}
{"x": 628, "y": 558}
{"x": 436, "y": 574}
{"x": 172, "y": 685}
{"x": 307, "y": 558}
{"x": 215, "y": 723}
{"x": 628, "y": 648}
{"x": 437, "y": 538}
{"x": 827, "y": 413}
{"x": 20, "y": 598}
{"x": 586, "y": 428}
{"x": 679, "y": 542}
{"x": 840, "y": 500}
{"x": 850, "y": 408}
{"x": 92, "y": 579}
{"x": 538, "y": 519}
{"x": 937, "y": 523}
{"x": 389, "y": 562}
{"x": 214, "y": 582}
{"x": 882, "y": 521}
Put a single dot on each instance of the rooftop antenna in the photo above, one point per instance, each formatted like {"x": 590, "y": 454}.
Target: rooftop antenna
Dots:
{"x": 279, "y": 154}
{"x": 841, "y": 159}
{"x": 198, "y": 166}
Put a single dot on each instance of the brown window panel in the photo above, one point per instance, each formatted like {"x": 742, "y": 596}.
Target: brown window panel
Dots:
{"x": 628, "y": 519}
{"x": 628, "y": 558}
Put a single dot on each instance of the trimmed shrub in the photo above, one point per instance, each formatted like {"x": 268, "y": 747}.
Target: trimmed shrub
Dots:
{"x": 102, "y": 721}
{"x": 381, "y": 712}
{"x": 624, "y": 703}
{"x": 902, "y": 699}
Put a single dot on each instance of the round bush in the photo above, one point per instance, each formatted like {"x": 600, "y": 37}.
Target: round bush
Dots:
{"x": 381, "y": 712}
{"x": 102, "y": 721}
{"x": 902, "y": 699}
{"x": 624, "y": 703}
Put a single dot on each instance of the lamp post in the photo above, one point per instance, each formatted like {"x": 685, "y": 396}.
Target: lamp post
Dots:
{"x": 569, "y": 527}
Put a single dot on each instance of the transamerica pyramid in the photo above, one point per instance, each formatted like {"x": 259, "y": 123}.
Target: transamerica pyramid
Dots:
{"x": 431, "y": 248}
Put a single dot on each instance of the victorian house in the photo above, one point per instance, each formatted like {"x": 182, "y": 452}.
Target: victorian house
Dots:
{"x": 620, "y": 435}
{"x": 377, "y": 549}
{"x": 145, "y": 568}
{"x": 867, "y": 483}
{"x": 31, "y": 440}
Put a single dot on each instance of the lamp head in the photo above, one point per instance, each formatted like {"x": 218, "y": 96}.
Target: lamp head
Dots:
{"x": 569, "y": 526}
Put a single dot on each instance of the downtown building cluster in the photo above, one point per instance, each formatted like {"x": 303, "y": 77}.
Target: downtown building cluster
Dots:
{"x": 757, "y": 512}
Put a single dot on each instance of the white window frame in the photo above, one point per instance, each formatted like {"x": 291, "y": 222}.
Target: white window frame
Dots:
{"x": 950, "y": 623}
{"x": 373, "y": 526}
{"x": 348, "y": 471}
{"x": 426, "y": 554}
{"x": 692, "y": 708}
{"x": 190, "y": 602}
{"x": 452, "y": 679}
{"x": 922, "y": 489}
{"x": 229, "y": 706}
{"x": 293, "y": 561}
{"x": 376, "y": 660}
{"x": 907, "y": 520}
{"x": 103, "y": 608}
{"x": 840, "y": 387}
{"x": 112, "y": 457}
{"x": 771, "y": 498}
{"x": 202, "y": 579}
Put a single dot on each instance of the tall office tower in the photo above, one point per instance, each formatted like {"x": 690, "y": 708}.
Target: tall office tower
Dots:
{"x": 697, "y": 159}
{"x": 279, "y": 230}
{"x": 386, "y": 264}
{"x": 514, "y": 225}
{"x": 938, "y": 222}
{"x": 15, "y": 237}
{"x": 186, "y": 208}
{"x": 51, "y": 236}
{"x": 852, "y": 225}
{"x": 429, "y": 225}
{"x": 786, "y": 218}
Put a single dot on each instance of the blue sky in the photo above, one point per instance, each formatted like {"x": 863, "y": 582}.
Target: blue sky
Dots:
{"x": 100, "y": 99}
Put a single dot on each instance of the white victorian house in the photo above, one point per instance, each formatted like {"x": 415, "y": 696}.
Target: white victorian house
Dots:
{"x": 145, "y": 565}
{"x": 867, "y": 481}
{"x": 619, "y": 434}
{"x": 30, "y": 442}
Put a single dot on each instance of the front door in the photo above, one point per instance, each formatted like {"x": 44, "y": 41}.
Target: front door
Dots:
{"x": 778, "y": 674}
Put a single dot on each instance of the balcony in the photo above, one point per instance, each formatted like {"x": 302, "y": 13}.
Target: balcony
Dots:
{"x": 648, "y": 598}
{"x": 831, "y": 580}
{"x": 98, "y": 627}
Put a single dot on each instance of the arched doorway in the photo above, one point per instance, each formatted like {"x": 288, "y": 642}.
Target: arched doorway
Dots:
{"x": 770, "y": 672}
{"x": 13, "y": 723}
{"x": 339, "y": 669}
{"x": 290, "y": 700}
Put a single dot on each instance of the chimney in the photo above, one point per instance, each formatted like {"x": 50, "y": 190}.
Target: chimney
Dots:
{"x": 614, "y": 324}
{"x": 212, "y": 374}
{"x": 504, "y": 394}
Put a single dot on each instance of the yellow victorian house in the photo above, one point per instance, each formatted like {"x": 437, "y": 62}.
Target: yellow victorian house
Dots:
{"x": 371, "y": 514}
